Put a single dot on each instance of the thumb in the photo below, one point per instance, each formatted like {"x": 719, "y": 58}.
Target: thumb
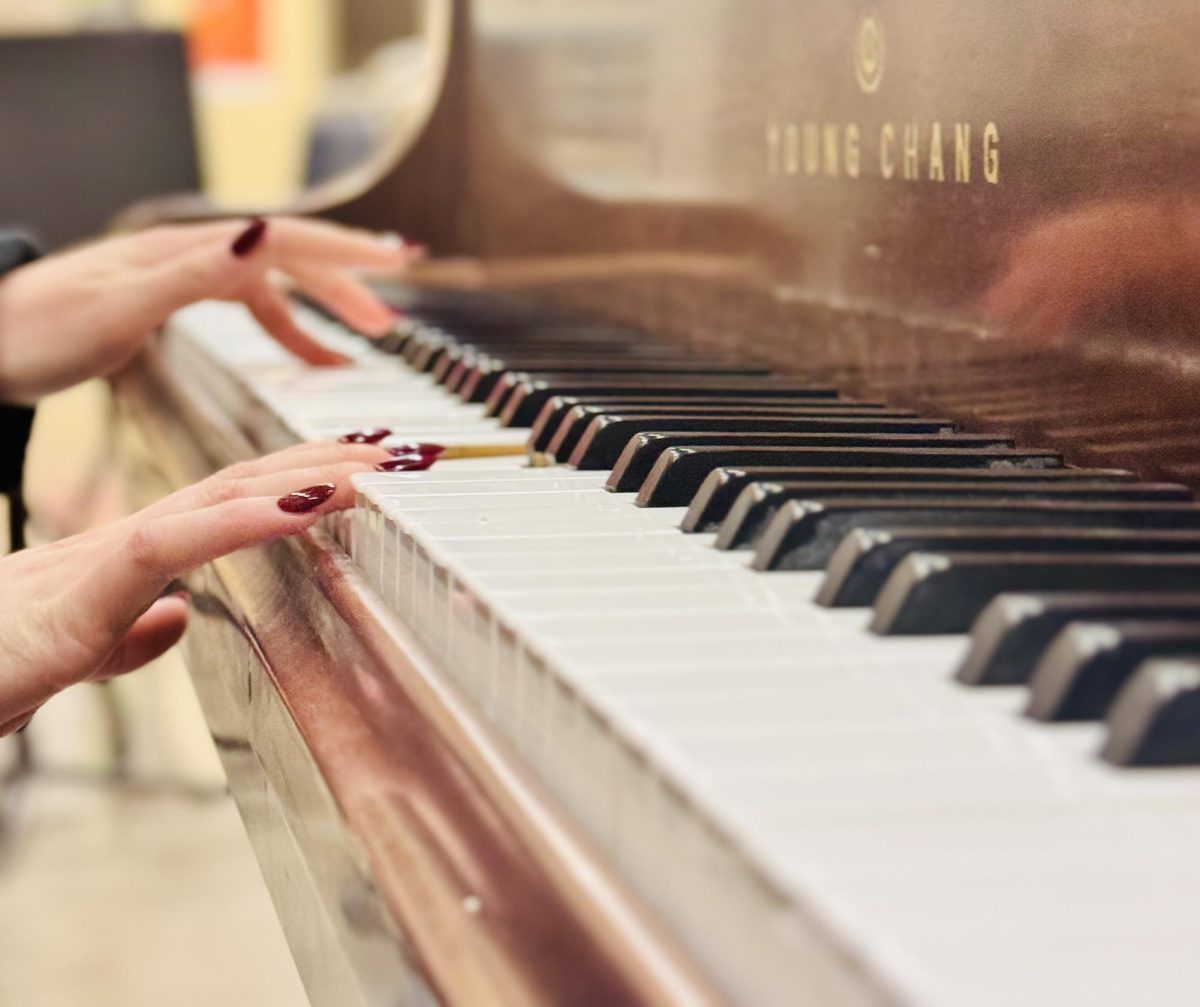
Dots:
{"x": 155, "y": 632}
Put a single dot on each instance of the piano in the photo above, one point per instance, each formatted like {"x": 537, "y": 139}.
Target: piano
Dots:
{"x": 813, "y": 613}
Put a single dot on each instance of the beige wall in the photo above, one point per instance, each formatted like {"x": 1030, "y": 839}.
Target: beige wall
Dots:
{"x": 254, "y": 126}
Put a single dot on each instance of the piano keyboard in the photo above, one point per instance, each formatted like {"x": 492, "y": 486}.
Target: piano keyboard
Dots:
{"x": 840, "y": 688}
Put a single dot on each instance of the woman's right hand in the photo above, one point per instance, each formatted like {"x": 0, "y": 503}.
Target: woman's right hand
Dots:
{"x": 87, "y": 311}
{"x": 89, "y": 607}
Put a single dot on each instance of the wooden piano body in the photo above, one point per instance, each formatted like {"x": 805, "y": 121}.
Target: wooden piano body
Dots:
{"x": 984, "y": 210}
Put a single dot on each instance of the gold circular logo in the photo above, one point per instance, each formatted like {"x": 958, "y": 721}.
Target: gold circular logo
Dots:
{"x": 869, "y": 51}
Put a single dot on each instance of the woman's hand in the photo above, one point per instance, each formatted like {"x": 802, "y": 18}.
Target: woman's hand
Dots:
{"x": 1070, "y": 269}
{"x": 89, "y": 607}
{"x": 85, "y": 313}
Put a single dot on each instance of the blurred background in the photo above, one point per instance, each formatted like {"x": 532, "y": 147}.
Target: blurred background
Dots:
{"x": 125, "y": 876}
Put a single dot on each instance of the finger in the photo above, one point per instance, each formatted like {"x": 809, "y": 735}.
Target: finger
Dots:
{"x": 223, "y": 487}
{"x": 307, "y": 455}
{"x": 146, "y": 556}
{"x": 289, "y": 240}
{"x": 231, "y": 482}
{"x": 317, "y": 241}
{"x": 353, "y": 302}
{"x": 271, "y": 310}
{"x": 155, "y": 243}
{"x": 155, "y": 632}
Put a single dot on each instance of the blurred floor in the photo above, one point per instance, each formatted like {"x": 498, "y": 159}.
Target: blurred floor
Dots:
{"x": 138, "y": 886}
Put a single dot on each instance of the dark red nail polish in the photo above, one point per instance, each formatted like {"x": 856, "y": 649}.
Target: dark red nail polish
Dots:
{"x": 417, "y": 449}
{"x": 372, "y": 436}
{"x": 248, "y": 240}
{"x": 407, "y": 463}
{"x": 302, "y": 501}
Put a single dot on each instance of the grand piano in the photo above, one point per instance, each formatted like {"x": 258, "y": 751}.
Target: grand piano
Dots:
{"x": 822, "y": 625}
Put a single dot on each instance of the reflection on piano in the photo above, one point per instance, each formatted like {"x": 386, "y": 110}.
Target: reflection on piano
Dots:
{"x": 828, "y": 642}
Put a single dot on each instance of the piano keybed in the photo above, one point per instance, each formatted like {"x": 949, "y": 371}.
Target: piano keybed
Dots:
{"x": 741, "y": 627}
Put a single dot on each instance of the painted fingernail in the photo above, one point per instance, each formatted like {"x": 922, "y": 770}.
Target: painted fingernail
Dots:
{"x": 248, "y": 240}
{"x": 372, "y": 435}
{"x": 420, "y": 448}
{"x": 302, "y": 501}
{"x": 408, "y": 463}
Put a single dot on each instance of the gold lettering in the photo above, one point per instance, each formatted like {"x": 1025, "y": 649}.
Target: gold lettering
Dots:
{"x": 991, "y": 153}
{"x": 962, "y": 152}
{"x": 851, "y": 152}
{"x": 912, "y": 153}
{"x": 887, "y": 137}
{"x": 937, "y": 171}
{"x": 831, "y": 150}
{"x": 791, "y": 149}
{"x": 836, "y": 150}
{"x": 812, "y": 148}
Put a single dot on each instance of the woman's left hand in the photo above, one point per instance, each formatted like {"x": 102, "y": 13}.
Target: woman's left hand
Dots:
{"x": 86, "y": 312}
{"x": 91, "y": 606}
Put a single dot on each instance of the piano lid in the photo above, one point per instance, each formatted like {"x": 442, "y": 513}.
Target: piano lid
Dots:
{"x": 890, "y": 187}
{"x": 982, "y": 209}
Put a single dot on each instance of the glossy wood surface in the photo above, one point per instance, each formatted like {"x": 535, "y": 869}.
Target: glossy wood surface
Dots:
{"x": 715, "y": 169}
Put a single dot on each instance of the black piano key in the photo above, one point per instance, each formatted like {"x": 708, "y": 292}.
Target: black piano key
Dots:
{"x": 932, "y": 593}
{"x": 865, "y": 558}
{"x": 575, "y": 423}
{"x": 1155, "y": 720}
{"x": 759, "y": 503}
{"x": 394, "y": 341}
{"x": 802, "y": 536}
{"x": 1012, "y": 631}
{"x": 631, "y": 370}
{"x": 668, "y": 476}
{"x": 510, "y": 355}
{"x": 517, "y": 399}
{"x": 1086, "y": 665}
{"x": 428, "y": 347}
{"x": 474, "y": 380}
{"x": 566, "y": 409}
{"x": 423, "y": 350}
{"x": 459, "y": 365}
{"x": 605, "y": 439}
{"x": 721, "y": 487}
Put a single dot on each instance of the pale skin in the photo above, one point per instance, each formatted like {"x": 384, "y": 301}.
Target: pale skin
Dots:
{"x": 91, "y": 606}
{"x": 86, "y": 312}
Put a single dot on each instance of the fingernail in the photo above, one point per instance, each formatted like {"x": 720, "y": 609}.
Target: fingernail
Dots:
{"x": 393, "y": 240}
{"x": 409, "y": 463}
{"x": 184, "y": 596}
{"x": 302, "y": 501}
{"x": 371, "y": 436}
{"x": 248, "y": 240}
{"x": 417, "y": 449}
